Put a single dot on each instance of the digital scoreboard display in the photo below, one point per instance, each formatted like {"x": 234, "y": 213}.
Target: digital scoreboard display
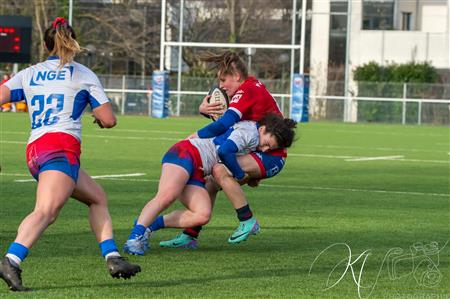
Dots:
{"x": 15, "y": 39}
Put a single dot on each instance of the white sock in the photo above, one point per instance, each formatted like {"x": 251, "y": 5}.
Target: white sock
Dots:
{"x": 112, "y": 254}
{"x": 14, "y": 259}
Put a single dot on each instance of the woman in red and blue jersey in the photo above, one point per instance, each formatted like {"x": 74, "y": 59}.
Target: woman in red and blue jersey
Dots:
{"x": 250, "y": 100}
{"x": 57, "y": 91}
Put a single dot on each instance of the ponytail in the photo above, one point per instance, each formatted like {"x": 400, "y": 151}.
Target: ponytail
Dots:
{"x": 60, "y": 40}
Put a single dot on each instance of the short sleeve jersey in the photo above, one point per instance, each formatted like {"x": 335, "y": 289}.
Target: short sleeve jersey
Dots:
{"x": 56, "y": 97}
{"x": 244, "y": 134}
{"x": 252, "y": 101}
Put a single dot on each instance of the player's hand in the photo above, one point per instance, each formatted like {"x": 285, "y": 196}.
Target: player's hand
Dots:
{"x": 253, "y": 182}
{"x": 244, "y": 180}
{"x": 195, "y": 135}
{"x": 98, "y": 122}
{"x": 209, "y": 109}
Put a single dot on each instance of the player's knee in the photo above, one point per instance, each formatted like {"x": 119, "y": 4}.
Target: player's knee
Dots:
{"x": 47, "y": 216}
{"x": 101, "y": 198}
{"x": 219, "y": 173}
{"x": 202, "y": 217}
{"x": 165, "y": 198}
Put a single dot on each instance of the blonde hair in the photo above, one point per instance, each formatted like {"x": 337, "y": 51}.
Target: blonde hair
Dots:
{"x": 226, "y": 63}
{"x": 60, "y": 40}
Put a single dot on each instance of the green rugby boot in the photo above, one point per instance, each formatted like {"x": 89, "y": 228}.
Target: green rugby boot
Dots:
{"x": 181, "y": 241}
{"x": 244, "y": 230}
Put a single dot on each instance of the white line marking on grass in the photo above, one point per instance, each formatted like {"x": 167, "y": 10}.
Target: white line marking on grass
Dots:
{"x": 117, "y": 175}
{"x": 153, "y": 131}
{"x": 13, "y": 174}
{"x": 374, "y": 158}
{"x": 13, "y": 142}
{"x": 356, "y": 190}
{"x": 373, "y": 148}
{"x": 107, "y": 176}
{"x": 307, "y": 188}
{"x": 131, "y": 137}
{"x": 349, "y": 158}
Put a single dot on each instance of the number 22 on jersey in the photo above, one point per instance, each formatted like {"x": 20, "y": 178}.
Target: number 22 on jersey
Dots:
{"x": 45, "y": 111}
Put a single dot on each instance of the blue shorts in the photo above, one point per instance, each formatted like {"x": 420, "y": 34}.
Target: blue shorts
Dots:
{"x": 186, "y": 155}
{"x": 269, "y": 165}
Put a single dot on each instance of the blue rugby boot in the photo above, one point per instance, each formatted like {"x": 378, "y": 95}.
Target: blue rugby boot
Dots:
{"x": 244, "y": 230}
{"x": 181, "y": 241}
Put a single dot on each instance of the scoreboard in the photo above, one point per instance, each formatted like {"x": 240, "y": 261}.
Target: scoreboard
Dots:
{"x": 15, "y": 39}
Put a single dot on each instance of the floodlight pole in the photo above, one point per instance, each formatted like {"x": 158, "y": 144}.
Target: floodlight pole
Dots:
{"x": 180, "y": 57}
{"x": 347, "y": 101}
{"x": 302, "y": 38}
{"x": 70, "y": 11}
{"x": 163, "y": 35}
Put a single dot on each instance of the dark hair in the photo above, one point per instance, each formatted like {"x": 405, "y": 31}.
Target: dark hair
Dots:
{"x": 282, "y": 128}
{"x": 60, "y": 39}
{"x": 226, "y": 63}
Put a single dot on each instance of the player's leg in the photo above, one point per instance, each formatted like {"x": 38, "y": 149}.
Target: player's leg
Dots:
{"x": 171, "y": 184}
{"x": 258, "y": 165}
{"x": 53, "y": 190}
{"x": 198, "y": 209}
{"x": 90, "y": 193}
{"x": 198, "y": 212}
{"x": 184, "y": 240}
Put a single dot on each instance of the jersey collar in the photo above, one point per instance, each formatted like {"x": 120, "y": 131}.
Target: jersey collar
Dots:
{"x": 53, "y": 57}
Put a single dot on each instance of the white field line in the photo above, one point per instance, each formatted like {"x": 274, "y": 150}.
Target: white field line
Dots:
{"x": 177, "y": 139}
{"x": 390, "y": 149}
{"x": 116, "y": 178}
{"x": 355, "y": 190}
{"x": 12, "y": 142}
{"x": 375, "y": 158}
{"x": 107, "y": 176}
{"x": 132, "y": 138}
{"x": 310, "y": 188}
{"x": 348, "y": 158}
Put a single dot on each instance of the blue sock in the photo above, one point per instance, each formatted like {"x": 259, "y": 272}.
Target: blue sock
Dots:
{"x": 18, "y": 250}
{"x": 138, "y": 230}
{"x": 157, "y": 224}
{"x": 108, "y": 246}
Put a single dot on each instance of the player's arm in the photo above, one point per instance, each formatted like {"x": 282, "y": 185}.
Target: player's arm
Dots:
{"x": 220, "y": 126}
{"x": 101, "y": 107}
{"x": 5, "y": 95}
{"x": 207, "y": 109}
{"x": 104, "y": 116}
{"x": 227, "y": 154}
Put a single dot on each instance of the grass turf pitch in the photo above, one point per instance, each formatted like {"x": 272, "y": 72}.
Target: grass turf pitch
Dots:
{"x": 335, "y": 189}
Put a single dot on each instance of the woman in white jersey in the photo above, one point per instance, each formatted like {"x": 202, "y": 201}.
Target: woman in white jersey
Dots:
{"x": 57, "y": 91}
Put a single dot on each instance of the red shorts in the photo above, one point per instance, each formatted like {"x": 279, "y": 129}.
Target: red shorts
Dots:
{"x": 186, "y": 155}
{"x": 54, "y": 151}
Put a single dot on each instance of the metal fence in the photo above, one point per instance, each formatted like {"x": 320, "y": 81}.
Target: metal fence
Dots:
{"x": 397, "y": 103}
{"x": 400, "y": 103}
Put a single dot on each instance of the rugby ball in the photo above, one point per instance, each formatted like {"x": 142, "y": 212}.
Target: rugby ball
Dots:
{"x": 218, "y": 96}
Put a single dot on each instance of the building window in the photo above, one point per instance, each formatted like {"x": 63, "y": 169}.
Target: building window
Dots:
{"x": 406, "y": 21}
{"x": 378, "y": 15}
{"x": 338, "y": 32}
{"x": 336, "y": 50}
